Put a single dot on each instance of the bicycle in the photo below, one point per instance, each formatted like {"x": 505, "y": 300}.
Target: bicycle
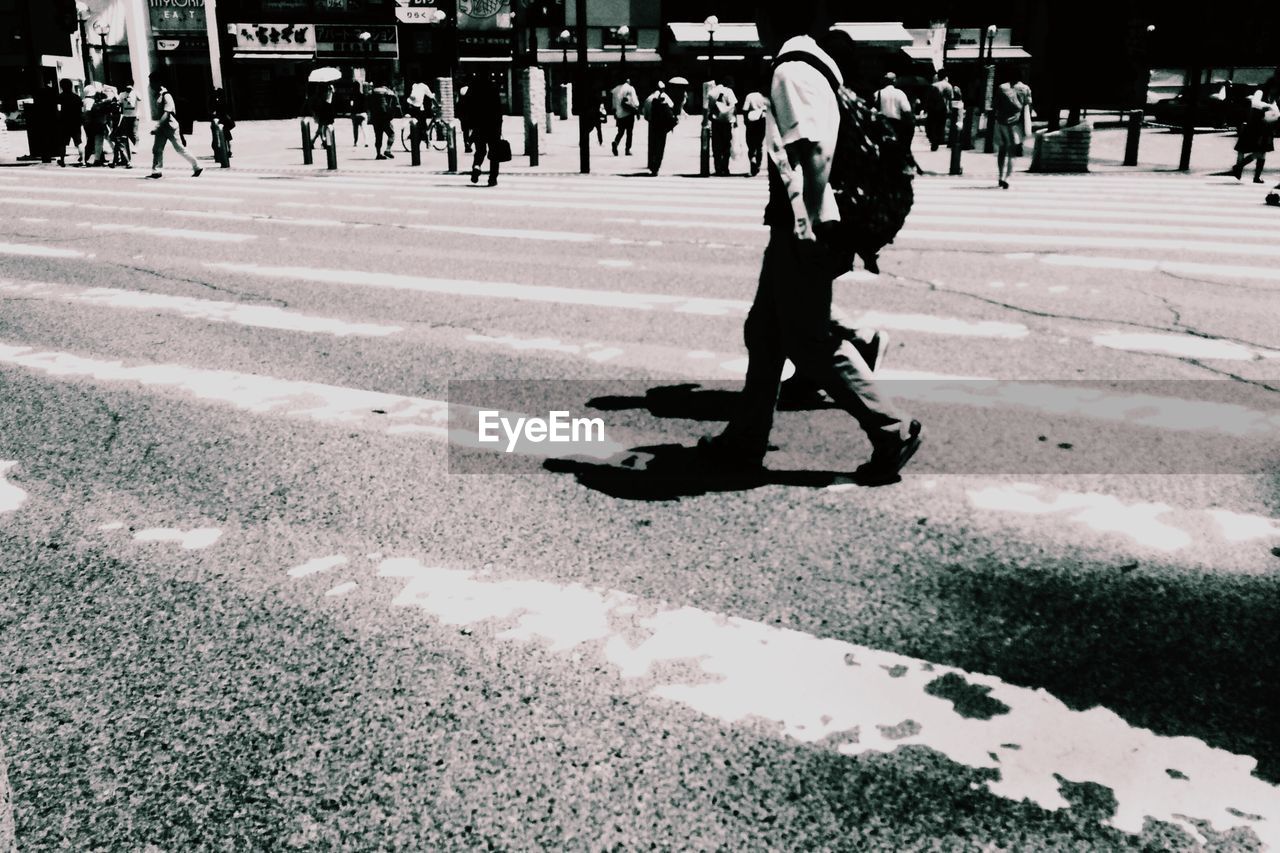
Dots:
{"x": 435, "y": 134}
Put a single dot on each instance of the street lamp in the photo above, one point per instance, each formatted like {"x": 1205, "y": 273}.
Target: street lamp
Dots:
{"x": 103, "y": 29}
{"x": 564, "y": 40}
{"x": 705, "y": 148}
{"x": 624, "y": 32}
{"x": 83, "y": 15}
{"x": 712, "y": 22}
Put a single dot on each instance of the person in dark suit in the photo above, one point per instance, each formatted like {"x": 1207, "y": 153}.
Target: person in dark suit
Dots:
{"x": 485, "y": 109}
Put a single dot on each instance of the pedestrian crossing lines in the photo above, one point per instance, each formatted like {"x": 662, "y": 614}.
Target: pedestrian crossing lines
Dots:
{"x": 488, "y": 299}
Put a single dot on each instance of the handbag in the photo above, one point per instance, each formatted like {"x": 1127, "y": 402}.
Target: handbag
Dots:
{"x": 500, "y": 151}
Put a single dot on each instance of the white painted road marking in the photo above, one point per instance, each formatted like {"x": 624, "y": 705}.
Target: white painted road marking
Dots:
{"x": 11, "y": 497}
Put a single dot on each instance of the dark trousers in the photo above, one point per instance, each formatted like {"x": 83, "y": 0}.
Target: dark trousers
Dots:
{"x": 791, "y": 319}
{"x": 482, "y": 149}
{"x": 722, "y": 145}
{"x": 657, "y": 148}
{"x": 626, "y": 126}
{"x": 382, "y": 129}
{"x": 755, "y": 144}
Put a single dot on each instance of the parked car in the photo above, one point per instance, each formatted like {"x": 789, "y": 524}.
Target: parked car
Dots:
{"x": 1219, "y": 105}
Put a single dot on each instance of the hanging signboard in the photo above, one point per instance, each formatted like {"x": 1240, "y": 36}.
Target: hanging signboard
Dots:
{"x": 483, "y": 15}
{"x": 420, "y": 12}
{"x": 274, "y": 38}
{"x": 344, "y": 41}
{"x": 177, "y": 16}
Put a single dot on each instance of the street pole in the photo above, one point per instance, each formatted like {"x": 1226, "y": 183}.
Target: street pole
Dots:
{"x": 1189, "y": 118}
{"x": 582, "y": 96}
{"x": 137, "y": 24}
{"x": 215, "y": 43}
{"x": 106, "y": 69}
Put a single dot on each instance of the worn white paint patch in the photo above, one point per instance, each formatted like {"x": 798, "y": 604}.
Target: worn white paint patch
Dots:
{"x": 524, "y": 344}
{"x": 258, "y": 316}
{"x": 859, "y": 700}
{"x": 318, "y": 565}
{"x": 244, "y": 391}
{"x": 176, "y": 233}
{"x": 28, "y": 251}
{"x": 931, "y": 324}
{"x": 510, "y": 233}
{"x": 1240, "y": 527}
{"x": 190, "y": 540}
{"x": 1234, "y": 247}
{"x": 1058, "y": 288}
{"x": 111, "y": 526}
{"x": 615, "y": 263}
{"x": 11, "y": 497}
{"x": 342, "y": 589}
{"x": 1189, "y": 268}
{"x": 1189, "y": 346}
{"x": 500, "y": 290}
{"x": 1142, "y": 522}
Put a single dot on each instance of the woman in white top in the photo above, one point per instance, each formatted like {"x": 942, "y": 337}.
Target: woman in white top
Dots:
{"x": 1256, "y": 137}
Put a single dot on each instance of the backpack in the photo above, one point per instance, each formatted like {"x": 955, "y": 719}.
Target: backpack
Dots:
{"x": 871, "y": 174}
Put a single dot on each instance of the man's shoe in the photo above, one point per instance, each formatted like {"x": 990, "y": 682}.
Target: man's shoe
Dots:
{"x": 390, "y": 156}
{"x": 889, "y": 458}
{"x": 615, "y": 151}
{"x": 475, "y": 177}
{"x": 493, "y": 182}
{"x": 155, "y": 175}
{"x": 195, "y": 173}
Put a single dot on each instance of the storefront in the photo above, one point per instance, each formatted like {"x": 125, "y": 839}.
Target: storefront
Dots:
{"x": 181, "y": 43}
{"x": 271, "y": 63}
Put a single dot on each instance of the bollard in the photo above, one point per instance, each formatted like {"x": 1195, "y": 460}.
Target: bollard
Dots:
{"x": 331, "y": 148}
{"x": 415, "y": 142}
{"x": 532, "y": 141}
{"x": 306, "y": 143}
{"x": 1131, "y": 142}
{"x": 455, "y": 131}
{"x": 957, "y": 138}
{"x": 220, "y": 146}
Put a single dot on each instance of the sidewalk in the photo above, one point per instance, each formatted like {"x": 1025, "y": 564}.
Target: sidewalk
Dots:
{"x": 275, "y": 146}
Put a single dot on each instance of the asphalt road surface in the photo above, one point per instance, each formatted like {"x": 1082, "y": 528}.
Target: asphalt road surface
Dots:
{"x": 249, "y": 599}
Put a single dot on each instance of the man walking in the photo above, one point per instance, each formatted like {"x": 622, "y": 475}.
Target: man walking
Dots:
{"x": 724, "y": 118}
{"x": 384, "y": 107}
{"x": 167, "y": 132}
{"x": 791, "y": 314}
{"x": 754, "y": 107}
{"x": 894, "y": 105}
{"x": 70, "y": 122}
{"x": 127, "y": 133}
{"x": 664, "y": 115}
{"x": 626, "y": 103}
{"x": 941, "y": 94}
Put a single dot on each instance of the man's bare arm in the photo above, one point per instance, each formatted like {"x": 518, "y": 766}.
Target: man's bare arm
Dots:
{"x": 810, "y": 160}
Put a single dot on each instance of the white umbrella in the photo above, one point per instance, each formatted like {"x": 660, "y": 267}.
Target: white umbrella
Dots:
{"x": 324, "y": 75}
{"x": 677, "y": 81}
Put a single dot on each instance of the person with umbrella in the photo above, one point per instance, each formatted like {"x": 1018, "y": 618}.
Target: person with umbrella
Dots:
{"x": 664, "y": 115}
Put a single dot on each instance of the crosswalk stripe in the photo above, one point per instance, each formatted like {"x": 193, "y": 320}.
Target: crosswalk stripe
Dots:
{"x": 1187, "y": 268}
{"x": 174, "y": 233}
{"x": 11, "y": 497}
{"x": 119, "y": 193}
{"x": 497, "y": 289}
{"x": 261, "y": 316}
{"x": 912, "y": 234}
{"x": 1028, "y": 222}
{"x": 26, "y": 250}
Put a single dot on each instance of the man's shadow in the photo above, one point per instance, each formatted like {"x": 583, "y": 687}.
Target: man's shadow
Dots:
{"x": 668, "y": 472}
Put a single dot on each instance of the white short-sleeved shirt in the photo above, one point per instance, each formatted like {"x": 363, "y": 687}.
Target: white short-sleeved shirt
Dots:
{"x": 804, "y": 108}
{"x": 892, "y": 102}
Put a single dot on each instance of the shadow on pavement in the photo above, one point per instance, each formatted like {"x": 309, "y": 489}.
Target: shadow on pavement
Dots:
{"x": 688, "y": 401}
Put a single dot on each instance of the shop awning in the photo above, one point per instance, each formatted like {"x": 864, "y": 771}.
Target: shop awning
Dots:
{"x": 263, "y": 55}
{"x": 877, "y": 33}
{"x": 1001, "y": 53}
{"x": 599, "y": 56}
{"x": 725, "y": 35}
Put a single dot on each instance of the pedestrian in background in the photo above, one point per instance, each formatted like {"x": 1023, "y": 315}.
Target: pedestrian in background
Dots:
{"x": 626, "y": 104}
{"x": 220, "y": 119}
{"x": 664, "y": 115}
{"x": 463, "y": 113}
{"x": 324, "y": 111}
{"x": 754, "y": 107}
{"x": 384, "y": 108}
{"x": 1007, "y": 113}
{"x": 46, "y": 124}
{"x": 724, "y": 118}
{"x": 101, "y": 122}
{"x": 70, "y": 123}
{"x": 938, "y": 104}
{"x": 360, "y": 114}
{"x": 1256, "y": 137}
{"x": 893, "y": 103}
{"x": 127, "y": 131}
{"x": 791, "y": 316}
{"x": 601, "y": 115}
{"x": 486, "y": 115}
{"x": 168, "y": 132}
